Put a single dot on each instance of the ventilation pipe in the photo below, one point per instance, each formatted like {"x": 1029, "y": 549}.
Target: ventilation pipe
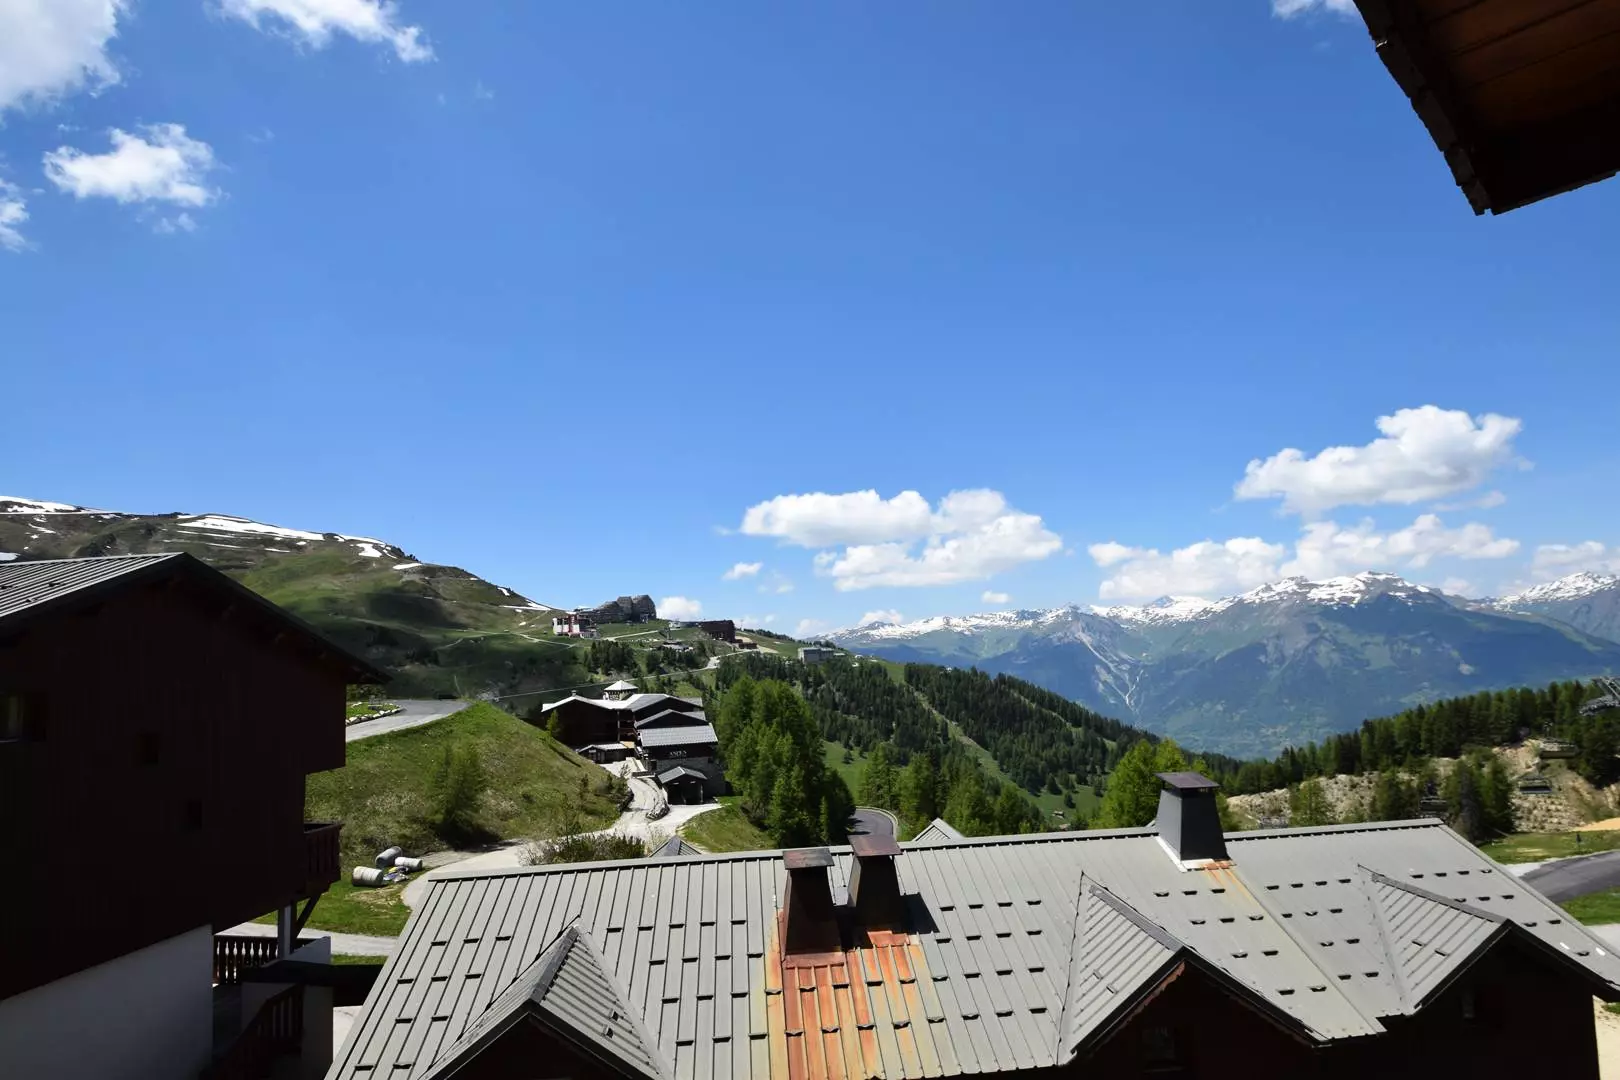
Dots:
{"x": 1189, "y": 822}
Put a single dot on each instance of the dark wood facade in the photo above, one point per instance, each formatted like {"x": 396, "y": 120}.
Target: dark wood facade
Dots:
{"x": 158, "y": 785}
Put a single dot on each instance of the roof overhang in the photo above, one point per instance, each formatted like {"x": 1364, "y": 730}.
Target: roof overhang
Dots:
{"x": 1523, "y": 100}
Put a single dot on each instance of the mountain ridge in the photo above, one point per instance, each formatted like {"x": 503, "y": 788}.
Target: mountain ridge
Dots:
{"x": 1288, "y": 662}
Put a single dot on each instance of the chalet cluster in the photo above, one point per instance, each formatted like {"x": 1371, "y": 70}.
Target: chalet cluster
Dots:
{"x": 670, "y": 735}
{"x": 1349, "y": 951}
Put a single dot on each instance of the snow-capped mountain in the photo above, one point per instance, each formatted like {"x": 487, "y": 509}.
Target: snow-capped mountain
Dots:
{"x": 1584, "y": 600}
{"x": 365, "y": 592}
{"x": 1289, "y": 661}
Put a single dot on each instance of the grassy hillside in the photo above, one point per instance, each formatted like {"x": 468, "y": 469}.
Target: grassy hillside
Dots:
{"x": 725, "y": 829}
{"x": 384, "y": 795}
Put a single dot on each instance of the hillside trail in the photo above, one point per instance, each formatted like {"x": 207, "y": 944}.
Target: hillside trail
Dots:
{"x": 646, "y": 798}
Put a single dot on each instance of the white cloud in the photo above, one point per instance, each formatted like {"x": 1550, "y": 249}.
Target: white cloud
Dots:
{"x": 680, "y": 608}
{"x": 884, "y": 615}
{"x": 1556, "y": 560}
{"x": 1287, "y": 9}
{"x": 858, "y": 517}
{"x": 1425, "y": 453}
{"x": 1488, "y": 501}
{"x": 810, "y": 628}
{"x": 13, "y": 212}
{"x": 1326, "y": 549}
{"x": 1457, "y": 586}
{"x": 756, "y": 620}
{"x": 742, "y": 570}
{"x": 778, "y": 585}
{"x": 1207, "y": 568}
{"x": 989, "y": 596}
{"x": 51, "y": 48}
{"x": 482, "y": 92}
{"x": 970, "y": 535}
{"x": 181, "y": 222}
{"x": 374, "y": 22}
{"x": 164, "y": 166}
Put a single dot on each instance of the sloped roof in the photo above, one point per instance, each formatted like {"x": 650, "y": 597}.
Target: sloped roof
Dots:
{"x": 619, "y": 686}
{"x": 677, "y": 736}
{"x": 674, "y": 847}
{"x": 938, "y": 829}
{"x": 36, "y": 587}
{"x": 673, "y": 717}
{"x": 679, "y": 771}
{"x": 1021, "y": 952}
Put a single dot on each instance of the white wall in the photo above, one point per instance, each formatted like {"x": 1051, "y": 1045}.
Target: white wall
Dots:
{"x": 146, "y": 1016}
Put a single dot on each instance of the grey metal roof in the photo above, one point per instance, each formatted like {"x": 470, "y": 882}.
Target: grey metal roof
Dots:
{"x": 32, "y": 587}
{"x": 26, "y": 584}
{"x": 677, "y": 736}
{"x": 1021, "y": 952}
{"x": 679, "y": 771}
{"x": 673, "y": 717}
{"x": 938, "y": 829}
{"x": 673, "y": 847}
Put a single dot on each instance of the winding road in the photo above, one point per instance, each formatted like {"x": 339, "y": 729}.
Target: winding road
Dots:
{"x": 1565, "y": 879}
{"x": 411, "y": 714}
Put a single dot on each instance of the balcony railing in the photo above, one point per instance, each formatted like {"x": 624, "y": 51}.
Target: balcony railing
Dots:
{"x": 322, "y": 863}
{"x": 276, "y": 1029}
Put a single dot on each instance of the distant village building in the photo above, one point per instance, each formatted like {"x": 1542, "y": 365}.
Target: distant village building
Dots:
{"x": 626, "y": 609}
{"x": 620, "y": 690}
{"x": 816, "y": 654}
{"x": 573, "y": 624}
{"x": 719, "y": 629}
{"x": 583, "y": 721}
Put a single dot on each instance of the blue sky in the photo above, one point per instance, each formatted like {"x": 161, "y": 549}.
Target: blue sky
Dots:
{"x": 588, "y": 298}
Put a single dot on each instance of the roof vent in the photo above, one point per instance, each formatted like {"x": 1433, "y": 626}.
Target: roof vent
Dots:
{"x": 810, "y": 922}
{"x": 874, "y": 887}
{"x": 1189, "y": 823}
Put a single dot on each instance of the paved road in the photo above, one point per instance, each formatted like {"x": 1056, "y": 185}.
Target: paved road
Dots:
{"x": 411, "y": 714}
{"x": 342, "y": 944}
{"x": 872, "y": 822}
{"x": 1566, "y": 878}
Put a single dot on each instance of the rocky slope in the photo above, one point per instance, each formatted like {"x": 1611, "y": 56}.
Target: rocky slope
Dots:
{"x": 1586, "y": 601}
{"x": 1285, "y": 663}
{"x": 439, "y": 629}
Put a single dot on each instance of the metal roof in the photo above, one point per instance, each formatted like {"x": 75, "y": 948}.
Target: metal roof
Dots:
{"x": 679, "y": 771}
{"x": 618, "y": 686}
{"x": 938, "y": 829}
{"x": 677, "y": 736}
{"x": 673, "y": 847}
{"x": 26, "y": 584}
{"x": 33, "y": 587}
{"x": 673, "y": 716}
{"x": 1020, "y": 952}
{"x": 1187, "y": 781}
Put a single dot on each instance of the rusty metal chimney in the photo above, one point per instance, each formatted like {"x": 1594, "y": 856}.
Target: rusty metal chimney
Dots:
{"x": 810, "y": 923}
{"x": 1189, "y": 821}
{"x": 874, "y": 886}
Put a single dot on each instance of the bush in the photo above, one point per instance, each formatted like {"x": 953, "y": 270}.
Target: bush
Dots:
{"x": 582, "y": 848}
{"x": 458, "y": 788}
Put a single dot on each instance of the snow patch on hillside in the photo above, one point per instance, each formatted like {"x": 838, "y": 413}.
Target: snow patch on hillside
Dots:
{"x": 1573, "y": 587}
{"x": 10, "y": 504}
{"x": 225, "y": 523}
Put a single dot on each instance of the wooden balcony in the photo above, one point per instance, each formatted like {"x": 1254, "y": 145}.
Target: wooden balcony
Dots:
{"x": 322, "y": 862}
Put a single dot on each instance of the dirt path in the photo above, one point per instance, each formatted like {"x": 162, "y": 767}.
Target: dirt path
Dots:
{"x": 1606, "y": 825}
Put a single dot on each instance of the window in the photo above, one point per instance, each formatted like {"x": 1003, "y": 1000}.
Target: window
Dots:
{"x": 147, "y": 748}
{"x": 192, "y": 815}
{"x": 1161, "y": 1050}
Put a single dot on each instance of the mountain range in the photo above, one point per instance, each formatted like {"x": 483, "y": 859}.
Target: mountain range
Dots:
{"x": 1283, "y": 664}
{"x": 438, "y": 629}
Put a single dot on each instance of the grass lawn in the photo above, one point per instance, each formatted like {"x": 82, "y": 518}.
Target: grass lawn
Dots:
{"x": 347, "y": 910}
{"x": 834, "y": 755}
{"x": 616, "y": 630}
{"x": 1598, "y": 907}
{"x": 359, "y": 961}
{"x": 1535, "y": 847}
{"x": 725, "y": 829}
{"x": 384, "y": 795}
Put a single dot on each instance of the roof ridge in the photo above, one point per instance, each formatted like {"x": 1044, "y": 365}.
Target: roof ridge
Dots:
{"x": 1350, "y": 827}
{"x": 579, "y": 943}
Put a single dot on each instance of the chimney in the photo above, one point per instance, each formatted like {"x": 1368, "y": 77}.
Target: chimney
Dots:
{"x": 810, "y": 923}
{"x": 874, "y": 887}
{"x": 1189, "y": 823}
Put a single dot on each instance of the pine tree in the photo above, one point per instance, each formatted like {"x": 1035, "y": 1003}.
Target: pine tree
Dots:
{"x": 880, "y": 780}
{"x": 1308, "y": 805}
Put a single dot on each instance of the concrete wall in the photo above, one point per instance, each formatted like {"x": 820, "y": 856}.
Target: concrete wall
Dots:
{"x": 144, "y": 1016}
